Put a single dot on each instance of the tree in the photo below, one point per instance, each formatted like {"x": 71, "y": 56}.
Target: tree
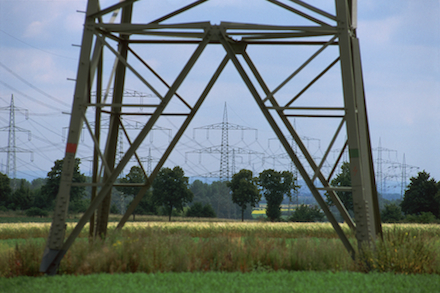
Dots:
{"x": 200, "y": 211}
{"x": 170, "y": 189}
{"x": 391, "y": 213}
{"x": 146, "y": 205}
{"x": 343, "y": 179}
{"x": 36, "y": 212}
{"x": 200, "y": 191}
{"x": 275, "y": 186}
{"x": 218, "y": 195}
{"x": 49, "y": 190}
{"x": 5, "y": 189}
{"x": 422, "y": 195}
{"x": 306, "y": 213}
{"x": 21, "y": 198}
{"x": 136, "y": 175}
{"x": 244, "y": 190}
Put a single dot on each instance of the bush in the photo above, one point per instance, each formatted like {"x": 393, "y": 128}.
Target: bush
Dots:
{"x": 200, "y": 211}
{"x": 36, "y": 212}
{"x": 79, "y": 205}
{"x": 423, "y": 218}
{"x": 401, "y": 252}
{"x": 305, "y": 213}
{"x": 114, "y": 209}
{"x": 392, "y": 213}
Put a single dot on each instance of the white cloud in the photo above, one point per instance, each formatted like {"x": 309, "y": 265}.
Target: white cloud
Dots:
{"x": 36, "y": 29}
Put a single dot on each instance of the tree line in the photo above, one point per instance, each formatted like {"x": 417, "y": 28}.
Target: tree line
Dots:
{"x": 420, "y": 203}
{"x": 172, "y": 194}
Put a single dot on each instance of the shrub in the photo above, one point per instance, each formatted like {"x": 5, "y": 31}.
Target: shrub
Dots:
{"x": 402, "y": 252}
{"x": 114, "y": 209}
{"x": 392, "y": 213}
{"x": 36, "y": 212}
{"x": 200, "y": 211}
{"x": 79, "y": 205}
{"x": 305, "y": 213}
{"x": 424, "y": 218}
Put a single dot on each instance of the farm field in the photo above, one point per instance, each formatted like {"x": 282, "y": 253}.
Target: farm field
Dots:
{"x": 221, "y": 247}
{"x": 254, "y": 282}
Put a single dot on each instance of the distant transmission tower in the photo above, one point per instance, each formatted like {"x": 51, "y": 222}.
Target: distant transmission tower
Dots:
{"x": 405, "y": 175}
{"x": 12, "y": 149}
{"x": 380, "y": 162}
{"x": 224, "y": 157}
{"x": 225, "y": 149}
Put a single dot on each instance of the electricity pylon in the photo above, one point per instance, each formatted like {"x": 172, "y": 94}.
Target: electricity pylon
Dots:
{"x": 12, "y": 149}
{"x": 227, "y": 153}
{"x": 323, "y": 30}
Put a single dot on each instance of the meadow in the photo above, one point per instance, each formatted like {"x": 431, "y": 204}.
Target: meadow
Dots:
{"x": 180, "y": 247}
{"x": 255, "y": 282}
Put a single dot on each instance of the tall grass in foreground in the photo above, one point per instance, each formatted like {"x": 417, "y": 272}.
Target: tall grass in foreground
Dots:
{"x": 161, "y": 252}
{"x": 178, "y": 247}
{"x": 404, "y": 252}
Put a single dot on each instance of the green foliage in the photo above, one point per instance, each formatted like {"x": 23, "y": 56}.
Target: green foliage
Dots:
{"x": 423, "y": 218}
{"x": 170, "y": 189}
{"x": 147, "y": 205}
{"x": 5, "y": 189}
{"x": 79, "y": 205}
{"x": 49, "y": 190}
{"x": 40, "y": 200}
{"x": 220, "y": 198}
{"x": 114, "y": 209}
{"x": 275, "y": 186}
{"x": 192, "y": 247}
{"x": 37, "y": 183}
{"x": 244, "y": 190}
{"x": 209, "y": 282}
{"x": 136, "y": 175}
{"x": 343, "y": 179}
{"x": 306, "y": 213}
{"x": 422, "y": 195}
{"x": 36, "y": 212}
{"x": 402, "y": 252}
{"x": 198, "y": 210}
{"x": 21, "y": 199}
{"x": 391, "y": 213}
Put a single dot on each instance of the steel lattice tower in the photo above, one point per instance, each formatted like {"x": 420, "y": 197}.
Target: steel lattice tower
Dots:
{"x": 12, "y": 149}
{"x": 227, "y": 152}
{"x": 224, "y": 156}
{"x": 331, "y": 32}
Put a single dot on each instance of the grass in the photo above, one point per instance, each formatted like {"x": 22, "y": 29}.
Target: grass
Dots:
{"x": 195, "y": 229}
{"x": 254, "y": 282}
{"x": 20, "y": 217}
{"x": 154, "y": 247}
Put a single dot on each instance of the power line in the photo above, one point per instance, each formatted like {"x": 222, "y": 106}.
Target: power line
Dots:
{"x": 47, "y": 52}
{"x": 30, "y": 98}
{"x": 32, "y": 86}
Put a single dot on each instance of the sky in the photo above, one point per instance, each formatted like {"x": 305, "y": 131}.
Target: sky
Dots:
{"x": 400, "y": 50}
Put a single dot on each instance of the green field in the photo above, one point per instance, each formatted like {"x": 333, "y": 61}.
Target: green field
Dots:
{"x": 223, "y": 257}
{"x": 226, "y": 282}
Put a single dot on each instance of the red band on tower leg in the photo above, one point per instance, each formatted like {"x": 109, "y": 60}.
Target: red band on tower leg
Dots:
{"x": 71, "y": 148}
